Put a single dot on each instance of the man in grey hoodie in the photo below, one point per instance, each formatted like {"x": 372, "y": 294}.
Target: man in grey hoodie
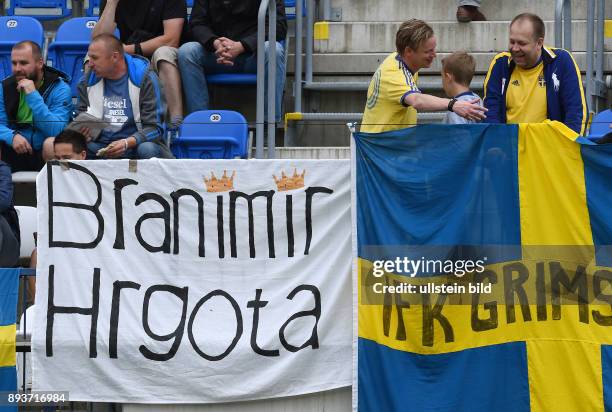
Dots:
{"x": 123, "y": 91}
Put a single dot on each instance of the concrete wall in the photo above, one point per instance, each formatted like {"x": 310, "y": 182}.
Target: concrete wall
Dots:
{"x": 444, "y": 10}
{"x": 490, "y": 36}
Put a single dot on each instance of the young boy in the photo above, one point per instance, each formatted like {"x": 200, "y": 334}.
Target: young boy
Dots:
{"x": 70, "y": 145}
{"x": 457, "y": 73}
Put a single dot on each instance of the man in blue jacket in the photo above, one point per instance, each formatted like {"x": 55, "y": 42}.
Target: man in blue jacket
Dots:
{"x": 531, "y": 82}
{"x": 35, "y": 104}
{"x": 9, "y": 222}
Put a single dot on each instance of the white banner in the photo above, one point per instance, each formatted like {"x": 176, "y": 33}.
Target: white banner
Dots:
{"x": 193, "y": 281}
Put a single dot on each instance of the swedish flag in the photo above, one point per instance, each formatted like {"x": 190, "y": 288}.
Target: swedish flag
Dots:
{"x": 9, "y": 284}
{"x": 531, "y": 202}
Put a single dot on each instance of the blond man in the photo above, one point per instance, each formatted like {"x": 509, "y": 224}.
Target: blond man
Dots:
{"x": 393, "y": 95}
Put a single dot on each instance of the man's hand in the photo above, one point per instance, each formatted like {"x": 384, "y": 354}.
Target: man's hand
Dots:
{"x": 219, "y": 48}
{"x": 21, "y": 145}
{"x": 227, "y": 50}
{"x": 470, "y": 110}
{"x": 118, "y": 148}
{"x": 26, "y": 85}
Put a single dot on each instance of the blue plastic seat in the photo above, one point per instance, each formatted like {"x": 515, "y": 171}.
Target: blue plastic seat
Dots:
{"x": 212, "y": 134}
{"x": 290, "y": 9}
{"x": 40, "y": 9}
{"x": 237, "y": 79}
{"x": 14, "y": 29}
{"x": 91, "y": 8}
{"x": 601, "y": 124}
{"x": 69, "y": 48}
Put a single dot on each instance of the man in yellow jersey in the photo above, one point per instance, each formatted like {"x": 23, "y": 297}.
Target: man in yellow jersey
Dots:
{"x": 532, "y": 82}
{"x": 394, "y": 97}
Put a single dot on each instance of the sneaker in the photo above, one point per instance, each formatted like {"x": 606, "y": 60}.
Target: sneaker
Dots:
{"x": 466, "y": 14}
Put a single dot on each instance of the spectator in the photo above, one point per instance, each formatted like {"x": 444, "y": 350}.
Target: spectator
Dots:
{"x": 9, "y": 222}
{"x": 70, "y": 145}
{"x": 457, "y": 73}
{"x": 532, "y": 83}
{"x": 393, "y": 95}
{"x": 35, "y": 104}
{"x": 122, "y": 90}
{"x": 467, "y": 11}
{"x": 226, "y": 42}
{"x": 156, "y": 34}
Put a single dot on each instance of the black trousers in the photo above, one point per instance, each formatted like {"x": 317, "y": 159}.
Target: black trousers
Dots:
{"x": 21, "y": 162}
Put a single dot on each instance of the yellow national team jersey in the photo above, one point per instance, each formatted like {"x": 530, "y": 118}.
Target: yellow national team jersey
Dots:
{"x": 385, "y": 109}
{"x": 526, "y": 96}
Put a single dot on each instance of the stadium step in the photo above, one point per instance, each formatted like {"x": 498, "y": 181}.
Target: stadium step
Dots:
{"x": 426, "y": 83}
{"x": 366, "y": 63}
{"x": 444, "y": 10}
{"x": 370, "y": 37}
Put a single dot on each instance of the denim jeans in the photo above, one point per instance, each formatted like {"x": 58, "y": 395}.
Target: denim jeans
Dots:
{"x": 146, "y": 150}
{"x": 195, "y": 62}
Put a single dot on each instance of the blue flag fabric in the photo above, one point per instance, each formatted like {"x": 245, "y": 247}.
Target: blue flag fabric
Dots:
{"x": 531, "y": 201}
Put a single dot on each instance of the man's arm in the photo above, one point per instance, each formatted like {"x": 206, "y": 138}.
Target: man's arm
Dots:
{"x": 171, "y": 37}
{"x": 572, "y": 95}
{"x": 106, "y": 24}
{"x": 51, "y": 117}
{"x": 173, "y": 20}
{"x": 493, "y": 88}
{"x": 469, "y": 110}
{"x": 152, "y": 110}
{"x": 6, "y": 187}
{"x": 200, "y": 25}
{"x": 20, "y": 144}
{"x": 82, "y": 98}
{"x": 6, "y": 133}
{"x": 83, "y": 102}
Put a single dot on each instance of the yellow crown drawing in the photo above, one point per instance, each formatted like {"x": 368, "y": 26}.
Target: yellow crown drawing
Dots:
{"x": 289, "y": 183}
{"x": 219, "y": 185}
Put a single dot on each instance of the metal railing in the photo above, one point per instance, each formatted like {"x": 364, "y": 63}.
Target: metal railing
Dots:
{"x": 268, "y": 6}
{"x": 563, "y": 24}
{"x": 595, "y": 83}
{"x": 308, "y": 82}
